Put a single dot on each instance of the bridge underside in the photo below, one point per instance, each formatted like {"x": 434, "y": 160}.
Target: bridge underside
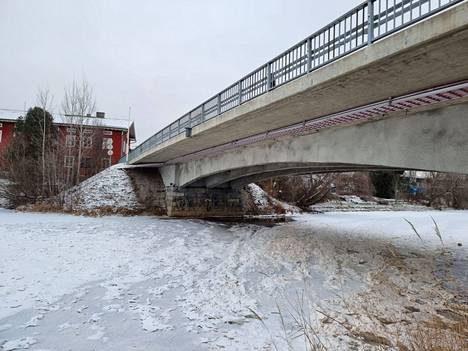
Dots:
{"x": 238, "y": 178}
{"x": 432, "y": 140}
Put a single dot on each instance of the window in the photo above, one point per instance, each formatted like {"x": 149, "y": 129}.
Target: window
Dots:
{"x": 71, "y": 130}
{"x": 88, "y": 131}
{"x": 124, "y": 148}
{"x": 107, "y": 132}
{"x": 106, "y": 162}
{"x": 87, "y": 142}
{"x": 70, "y": 140}
{"x": 86, "y": 162}
{"x": 106, "y": 142}
{"x": 69, "y": 160}
{"x": 0, "y": 136}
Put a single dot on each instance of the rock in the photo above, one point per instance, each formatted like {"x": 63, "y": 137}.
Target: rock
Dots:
{"x": 412, "y": 309}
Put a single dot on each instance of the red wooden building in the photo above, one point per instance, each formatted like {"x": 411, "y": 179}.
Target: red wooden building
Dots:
{"x": 104, "y": 140}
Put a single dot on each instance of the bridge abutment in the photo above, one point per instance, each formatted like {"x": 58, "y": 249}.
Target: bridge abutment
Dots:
{"x": 156, "y": 191}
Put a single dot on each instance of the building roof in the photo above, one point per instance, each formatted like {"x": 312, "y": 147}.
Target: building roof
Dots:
{"x": 108, "y": 123}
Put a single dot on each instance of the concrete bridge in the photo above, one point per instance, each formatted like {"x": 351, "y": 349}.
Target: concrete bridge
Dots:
{"x": 379, "y": 88}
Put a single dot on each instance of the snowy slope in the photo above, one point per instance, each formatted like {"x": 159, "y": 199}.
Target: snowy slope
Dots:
{"x": 267, "y": 204}
{"x": 110, "y": 191}
{"x": 3, "y": 201}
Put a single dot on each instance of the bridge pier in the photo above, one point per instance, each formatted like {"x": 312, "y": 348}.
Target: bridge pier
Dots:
{"x": 203, "y": 202}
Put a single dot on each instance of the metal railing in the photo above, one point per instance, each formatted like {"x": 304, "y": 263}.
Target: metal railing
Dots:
{"x": 366, "y": 23}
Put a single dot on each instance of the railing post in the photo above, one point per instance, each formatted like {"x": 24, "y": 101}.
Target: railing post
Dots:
{"x": 370, "y": 21}
{"x": 268, "y": 76}
{"x": 239, "y": 89}
{"x": 309, "y": 55}
{"x": 219, "y": 104}
{"x": 202, "y": 113}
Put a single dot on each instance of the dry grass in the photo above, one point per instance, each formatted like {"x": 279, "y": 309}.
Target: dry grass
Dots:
{"x": 436, "y": 334}
{"x": 44, "y": 207}
{"x": 407, "y": 307}
{"x": 302, "y": 327}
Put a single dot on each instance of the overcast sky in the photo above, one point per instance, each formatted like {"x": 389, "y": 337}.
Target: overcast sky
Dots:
{"x": 162, "y": 58}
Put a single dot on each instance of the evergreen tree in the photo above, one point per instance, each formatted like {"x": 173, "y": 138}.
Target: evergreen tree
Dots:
{"x": 31, "y": 129}
{"x": 384, "y": 183}
{"x": 24, "y": 157}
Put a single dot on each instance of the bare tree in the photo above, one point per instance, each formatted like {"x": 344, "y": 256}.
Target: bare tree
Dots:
{"x": 302, "y": 191}
{"x": 78, "y": 105}
{"x": 447, "y": 190}
{"x": 44, "y": 101}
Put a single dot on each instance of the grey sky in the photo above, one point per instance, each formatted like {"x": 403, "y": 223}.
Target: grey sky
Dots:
{"x": 160, "y": 57}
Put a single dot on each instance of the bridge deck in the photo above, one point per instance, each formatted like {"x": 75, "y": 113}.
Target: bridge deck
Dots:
{"x": 427, "y": 54}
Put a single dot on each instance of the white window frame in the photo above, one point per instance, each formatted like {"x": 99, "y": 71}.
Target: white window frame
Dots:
{"x": 68, "y": 139}
{"x": 1, "y": 134}
{"x": 107, "y": 132}
{"x": 71, "y": 130}
{"x": 69, "y": 164}
{"x": 105, "y": 142}
{"x": 87, "y": 142}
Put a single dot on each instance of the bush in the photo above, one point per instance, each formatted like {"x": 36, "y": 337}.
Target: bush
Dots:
{"x": 354, "y": 183}
{"x": 301, "y": 191}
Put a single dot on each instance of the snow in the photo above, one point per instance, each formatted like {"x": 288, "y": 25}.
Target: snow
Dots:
{"x": 111, "y": 123}
{"x": 120, "y": 283}
{"x": 109, "y": 190}
{"x": 353, "y": 199}
{"x": 259, "y": 196}
{"x": 355, "y": 203}
{"x": 266, "y": 203}
{"x": 3, "y": 201}
{"x": 23, "y": 343}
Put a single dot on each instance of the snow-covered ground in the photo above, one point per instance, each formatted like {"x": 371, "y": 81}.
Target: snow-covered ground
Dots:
{"x": 353, "y": 203}
{"x": 146, "y": 283}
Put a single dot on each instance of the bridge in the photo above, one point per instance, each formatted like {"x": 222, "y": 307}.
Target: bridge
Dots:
{"x": 385, "y": 86}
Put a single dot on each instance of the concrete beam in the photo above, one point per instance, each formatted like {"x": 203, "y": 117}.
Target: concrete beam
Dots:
{"x": 223, "y": 179}
{"x": 241, "y": 182}
{"x": 219, "y": 179}
{"x": 434, "y": 140}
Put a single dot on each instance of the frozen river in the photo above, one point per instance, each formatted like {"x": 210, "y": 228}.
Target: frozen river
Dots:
{"x": 146, "y": 283}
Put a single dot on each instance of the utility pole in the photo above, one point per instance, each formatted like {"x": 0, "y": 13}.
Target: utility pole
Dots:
{"x": 128, "y": 133}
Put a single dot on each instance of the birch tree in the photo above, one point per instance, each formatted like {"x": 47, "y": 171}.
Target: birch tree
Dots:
{"x": 44, "y": 101}
{"x": 79, "y": 104}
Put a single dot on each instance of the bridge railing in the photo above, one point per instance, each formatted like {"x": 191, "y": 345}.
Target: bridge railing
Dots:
{"x": 364, "y": 24}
